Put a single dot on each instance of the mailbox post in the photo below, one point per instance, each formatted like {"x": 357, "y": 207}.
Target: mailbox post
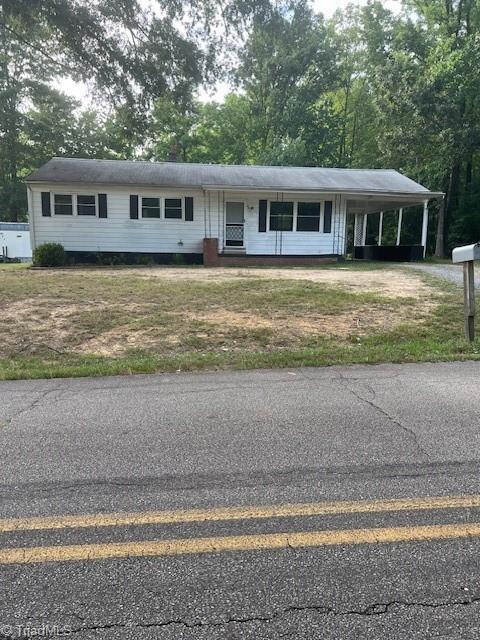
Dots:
{"x": 466, "y": 255}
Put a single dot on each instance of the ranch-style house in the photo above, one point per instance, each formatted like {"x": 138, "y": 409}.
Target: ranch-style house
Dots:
{"x": 221, "y": 214}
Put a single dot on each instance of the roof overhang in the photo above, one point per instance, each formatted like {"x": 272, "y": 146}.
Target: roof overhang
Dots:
{"x": 387, "y": 202}
{"x": 357, "y": 201}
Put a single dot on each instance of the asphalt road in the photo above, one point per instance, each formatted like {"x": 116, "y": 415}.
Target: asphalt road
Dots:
{"x": 207, "y": 462}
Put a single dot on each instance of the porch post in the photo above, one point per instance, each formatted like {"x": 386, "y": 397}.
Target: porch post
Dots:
{"x": 425, "y": 227}
{"x": 380, "y": 228}
{"x": 364, "y": 229}
{"x": 399, "y": 226}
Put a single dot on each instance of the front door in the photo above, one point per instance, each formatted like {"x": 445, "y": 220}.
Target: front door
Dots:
{"x": 234, "y": 224}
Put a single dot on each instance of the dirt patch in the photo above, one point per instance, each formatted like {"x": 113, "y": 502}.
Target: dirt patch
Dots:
{"x": 105, "y": 321}
{"x": 31, "y": 325}
{"x": 38, "y": 325}
{"x": 223, "y": 324}
{"x": 359, "y": 322}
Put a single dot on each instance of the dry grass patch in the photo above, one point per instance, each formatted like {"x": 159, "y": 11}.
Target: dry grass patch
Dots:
{"x": 392, "y": 282}
{"x": 161, "y": 318}
{"x": 116, "y": 312}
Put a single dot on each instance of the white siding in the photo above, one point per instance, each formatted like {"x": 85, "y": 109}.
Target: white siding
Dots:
{"x": 284, "y": 242}
{"x": 118, "y": 232}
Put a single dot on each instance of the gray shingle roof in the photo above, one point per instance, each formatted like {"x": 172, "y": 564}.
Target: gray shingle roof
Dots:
{"x": 189, "y": 175}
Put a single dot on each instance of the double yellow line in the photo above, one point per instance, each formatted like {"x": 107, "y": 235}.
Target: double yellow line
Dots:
{"x": 237, "y": 543}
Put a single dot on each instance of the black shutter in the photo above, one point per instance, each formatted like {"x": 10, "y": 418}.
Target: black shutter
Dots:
{"x": 102, "y": 205}
{"x": 134, "y": 207}
{"x": 46, "y": 207}
{"x": 189, "y": 209}
{"x": 262, "y": 215}
{"x": 327, "y": 217}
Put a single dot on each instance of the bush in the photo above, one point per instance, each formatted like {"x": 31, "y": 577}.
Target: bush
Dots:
{"x": 49, "y": 254}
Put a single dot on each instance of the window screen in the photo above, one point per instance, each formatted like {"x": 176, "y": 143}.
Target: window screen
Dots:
{"x": 281, "y": 216}
{"x": 308, "y": 216}
{"x": 150, "y": 207}
{"x": 63, "y": 205}
{"x": 86, "y": 206}
{"x": 173, "y": 208}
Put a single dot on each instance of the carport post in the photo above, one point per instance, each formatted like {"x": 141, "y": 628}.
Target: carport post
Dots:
{"x": 469, "y": 295}
{"x": 380, "y": 228}
{"x": 425, "y": 227}
{"x": 364, "y": 229}
{"x": 399, "y": 226}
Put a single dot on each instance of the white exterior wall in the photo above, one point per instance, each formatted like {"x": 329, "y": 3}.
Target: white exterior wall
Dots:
{"x": 282, "y": 242}
{"x": 15, "y": 244}
{"x": 119, "y": 233}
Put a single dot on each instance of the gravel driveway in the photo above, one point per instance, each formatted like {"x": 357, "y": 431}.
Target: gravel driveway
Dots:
{"x": 450, "y": 272}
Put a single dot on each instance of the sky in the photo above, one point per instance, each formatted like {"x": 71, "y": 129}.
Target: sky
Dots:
{"x": 327, "y": 7}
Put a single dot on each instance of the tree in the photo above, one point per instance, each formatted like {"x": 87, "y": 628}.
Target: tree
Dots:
{"x": 426, "y": 82}
{"x": 134, "y": 57}
{"x": 288, "y": 62}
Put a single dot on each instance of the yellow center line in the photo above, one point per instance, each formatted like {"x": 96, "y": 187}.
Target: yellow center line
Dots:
{"x": 238, "y": 543}
{"x": 238, "y": 513}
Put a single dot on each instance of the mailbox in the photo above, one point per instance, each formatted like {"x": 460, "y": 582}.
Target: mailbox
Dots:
{"x": 467, "y": 253}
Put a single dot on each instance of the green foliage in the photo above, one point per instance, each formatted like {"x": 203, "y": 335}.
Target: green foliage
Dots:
{"x": 49, "y": 254}
{"x": 367, "y": 88}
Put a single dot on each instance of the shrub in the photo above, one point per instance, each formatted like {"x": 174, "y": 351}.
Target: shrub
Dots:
{"x": 49, "y": 254}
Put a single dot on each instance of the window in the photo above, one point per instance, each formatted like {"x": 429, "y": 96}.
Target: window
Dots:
{"x": 281, "y": 216}
{"x": 308, "y": 216}
{"x": 173, "y": 208}
{"x": 86, "y": 206}
{"x": 150, "y": 207}
{"x": 63, "y": 205}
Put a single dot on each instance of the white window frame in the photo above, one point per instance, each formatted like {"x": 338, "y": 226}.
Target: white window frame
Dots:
{"x": 295, "y": 216}
{"x": 52, "y": 204}
{"x": 160, "y": 207}
{"x": 74, "y": 197}
{"x": 320, "y": 220}
{"x": 161, "y": 201}
{"x": 182, "y": 200}
{"x": 294, "y": 221}
{"x": 95, "y": 195}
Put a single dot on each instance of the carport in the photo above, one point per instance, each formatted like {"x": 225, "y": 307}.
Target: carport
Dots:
{"x": 400, "y": 204}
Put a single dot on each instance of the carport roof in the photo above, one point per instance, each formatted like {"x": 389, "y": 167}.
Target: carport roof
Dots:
{"x": 228, "y": 177}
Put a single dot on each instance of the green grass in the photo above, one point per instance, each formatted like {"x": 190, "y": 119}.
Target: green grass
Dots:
{"x": 114, "y": 321}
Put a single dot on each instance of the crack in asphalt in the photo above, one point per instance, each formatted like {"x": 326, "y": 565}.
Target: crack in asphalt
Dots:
{"x": 375, "y": 609}
{"x": 42, "y": 395}
{"x": 279, "y": 477}
{"x": 408, "y": 430}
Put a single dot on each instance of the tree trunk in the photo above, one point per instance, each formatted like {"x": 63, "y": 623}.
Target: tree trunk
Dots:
{"x": 440, "y": 241}
{"x": 446, "y": 208}
{"x": 468, "y": 175}
{"x": 451, "y": 201}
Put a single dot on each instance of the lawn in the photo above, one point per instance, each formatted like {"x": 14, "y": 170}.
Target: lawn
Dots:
{"x": 72, "y": 322}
